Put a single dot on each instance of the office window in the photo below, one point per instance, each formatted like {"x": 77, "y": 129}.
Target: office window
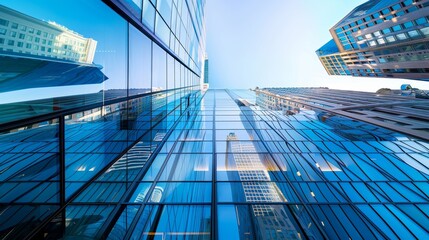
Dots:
{"x": 162, "y": 30}
{"x": 140, "y": 60}
{"x": 390, "y": 39}
{"x": 159, "y": 69}
{"x": 421, "y": 21}
{"x": 385, "y": 11}
{"x": 381, "y": 41}
{"x": 397, "y": 28}
{"x": 135, "y": 7}
{"x": 164, "y": 8}
{"x": 401, "y": 36}
{"x": 396, "y": 7}
{"x": 4, "y": 22}
{"x": 413, "y": 33}
{"x": 408, "y": 24}
{"x": 425, "y": 31}
{"x": 3, "y": 31}
{"x": 408, "y": 2}
{"x": 149, "y": 15}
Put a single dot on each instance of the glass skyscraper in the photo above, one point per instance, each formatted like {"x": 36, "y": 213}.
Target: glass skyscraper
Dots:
{"x": 88, "y": 91}
{"x": 380, "y": 38}
{"x": 127, "y": 146}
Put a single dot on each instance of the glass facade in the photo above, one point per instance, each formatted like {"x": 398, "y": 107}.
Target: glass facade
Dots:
{"x": 108, "y": 135}
{"x": 87, "y": 95}
{"x": 383, "y": 38}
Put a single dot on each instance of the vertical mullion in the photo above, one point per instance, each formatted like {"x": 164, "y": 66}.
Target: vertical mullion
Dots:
{"x": 214, "y": 167}
{"x": 62, "y": 173}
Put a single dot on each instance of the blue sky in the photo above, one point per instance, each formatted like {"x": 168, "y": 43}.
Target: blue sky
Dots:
{"x": 272, "y": 43}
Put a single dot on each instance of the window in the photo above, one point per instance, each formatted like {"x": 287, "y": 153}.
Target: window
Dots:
{"x": 381, "y": 41}
{"x": 401, "y": 36}
{"x": 412, "y": 9}
{"x": 31, "y": 30}
{"x": 408, "y": 2}
{"x": 20, "y": 44}
{"x": 21, "y": 36}
{"x": 4, "y": 22}
{"x": 421, "y": 21}
{"x": 386, "y": 30}
{"x": 377, "y": 33}
{"x": 22, "y": 28}
{"x": 159, "y": 68}
{"x": 148, "y": 15}
{"x": 413, "y": 33}
{"x": 14, "y": 25}
{"x": 396, "y": 7}
{"x": 3, "y": 31}
{"x": 1, "y": 40}
{"x": 140, "y": 62}
{"x": 385, "y": 11}
{"x": 372, "y": 43}
{"x": 162, "y": 30}
{"x": 397, "y": 28}
{"x": 368, "y": 36}
{"x": 13, "y": 34}
{"x": 390, "y": 39}
{"x": 425, "y": 31}
{"x": 10, "y": 42}
{"x": 408, "y": 24}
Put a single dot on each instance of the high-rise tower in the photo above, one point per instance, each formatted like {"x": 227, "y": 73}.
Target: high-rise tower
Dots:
{"x": 380, "y": 38}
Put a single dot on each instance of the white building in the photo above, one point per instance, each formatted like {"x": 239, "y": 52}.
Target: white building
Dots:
{"x": 20, "y": 33}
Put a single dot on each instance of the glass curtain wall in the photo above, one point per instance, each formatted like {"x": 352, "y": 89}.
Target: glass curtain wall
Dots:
{"x": 231, "y": 170}
{"x": 87, "y": 93}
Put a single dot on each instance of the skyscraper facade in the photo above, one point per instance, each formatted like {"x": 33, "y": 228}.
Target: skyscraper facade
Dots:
{"x": 88, "y": 91}
{"x": 129, "y": 147}
{"x": 397, "y": 110}
{"x": 380, "y": 38}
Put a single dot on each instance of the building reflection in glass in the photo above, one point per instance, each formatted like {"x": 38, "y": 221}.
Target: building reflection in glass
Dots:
{"x": 257, "y": 186}
{"x": 36, "y": 53}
